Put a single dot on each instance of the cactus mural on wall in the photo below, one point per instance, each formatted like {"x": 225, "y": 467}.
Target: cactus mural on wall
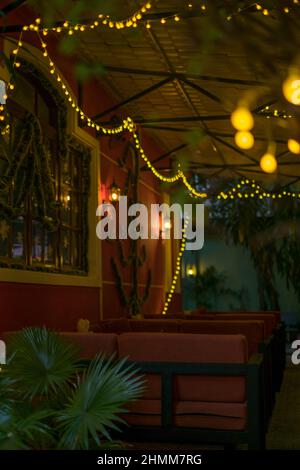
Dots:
{"x": 133, "y": 301}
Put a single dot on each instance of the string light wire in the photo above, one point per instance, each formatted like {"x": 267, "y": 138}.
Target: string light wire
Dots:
{"x": 177, "y": 270}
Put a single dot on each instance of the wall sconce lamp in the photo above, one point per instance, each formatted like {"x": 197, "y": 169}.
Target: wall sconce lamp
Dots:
{"x": 191, "y": 270}
{"x": 167, "y": 224}
{"x": 165, "y": 227}
{"x": 114, "y": 192}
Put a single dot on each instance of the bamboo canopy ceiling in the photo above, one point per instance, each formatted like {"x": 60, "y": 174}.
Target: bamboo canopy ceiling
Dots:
{"x": 180, "y": 80}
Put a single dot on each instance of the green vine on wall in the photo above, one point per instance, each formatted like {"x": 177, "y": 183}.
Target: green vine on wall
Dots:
{"x": 137, "y": 256}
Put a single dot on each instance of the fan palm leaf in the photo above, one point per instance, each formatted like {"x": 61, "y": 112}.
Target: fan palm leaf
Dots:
{"x": 97, "y": 400}
{"x": 42, "y": 363}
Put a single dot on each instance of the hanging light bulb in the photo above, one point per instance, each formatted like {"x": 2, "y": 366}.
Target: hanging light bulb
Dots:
{"x": 242, "y": 119}
{"x": 268, "y": 163}
{"x": 114, "y": 192}
{"x": 293, "y": 146}
{"x": 244, "y": 140}
{"x": 167, "y": 224}
{"x": 291, "y": 89}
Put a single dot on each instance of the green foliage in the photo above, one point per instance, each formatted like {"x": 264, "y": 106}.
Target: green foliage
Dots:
{"x": 194, "y": 137}
{"x": 92, "y": 407}
{"x": 48, "y": 400}
{"x": 211, "y": 285}
{"x": 85, "y": 71}
{"x": 42, "y": 363}
{"x": 269, "y": 229}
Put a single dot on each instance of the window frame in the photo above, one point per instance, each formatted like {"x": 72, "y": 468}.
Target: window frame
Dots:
{"x": 79, "y": 137}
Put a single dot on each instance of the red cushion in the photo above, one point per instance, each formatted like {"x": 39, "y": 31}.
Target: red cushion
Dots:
{"x": 268, "y": 312}
{"x": 191, "y": 348}
{"x": 190, "y": 414}
{"x": 91, "y": 344}
{"x": 252, "y": 330}
{"x": 268, "y": 319}
{"x": 169, "y": 316}
{"x": 116, "y": 325}
{"x": 199, "y": 316}
{"x": 162, "y": 326}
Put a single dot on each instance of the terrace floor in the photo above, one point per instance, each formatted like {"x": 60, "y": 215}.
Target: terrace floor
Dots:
{"x": 284, "y": 431}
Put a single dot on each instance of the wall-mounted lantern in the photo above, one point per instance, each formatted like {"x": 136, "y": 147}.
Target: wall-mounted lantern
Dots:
{"x": 191, "y": 270}
{"x": 114, "y": 192}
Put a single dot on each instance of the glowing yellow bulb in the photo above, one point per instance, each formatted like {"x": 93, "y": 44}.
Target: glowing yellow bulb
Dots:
{"x": 294, "y": 146}
{"x": 167, "y": 225}
{"x": 244, "y": 140}
{"x": 242, "y": 119}
{"x": 148, "y": 25}
{"x": 291, "y": 89}
{"x": 177, "y": 18}
{"x": 163, "y": 21}
{"x": 268, "y": 163}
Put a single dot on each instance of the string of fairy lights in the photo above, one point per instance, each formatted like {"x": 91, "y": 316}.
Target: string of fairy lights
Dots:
{"x": 177, "y": 269}
{"x": 247, "y": 189}
{"x": 274, "y": 113}
{"x": 134, "y": 20}
{"x": 242, "y": 118}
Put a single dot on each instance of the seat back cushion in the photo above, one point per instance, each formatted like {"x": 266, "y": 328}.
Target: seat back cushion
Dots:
{"x": 252, "y": 330}
{"x": 268, "y": 319}
{"x": 189, "y": 348}
{"x": 91, "y": 344}
{"x": 170, "y": 316}
{"x": 160, "y": 326}
{"x": 116, "y": 325}
{"x": 199, "y": 316}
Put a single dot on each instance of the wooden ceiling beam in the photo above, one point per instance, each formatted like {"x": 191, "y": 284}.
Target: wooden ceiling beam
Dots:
{"x": 212, "y": 134}
{"x": 181, "y": 75}
{"x": 212, "y": 117}
{"x": 165, "y": 155}
{"x": 202, "y": 91}
{"x": 135, "y": 97}
{"x": 11, "y": 7}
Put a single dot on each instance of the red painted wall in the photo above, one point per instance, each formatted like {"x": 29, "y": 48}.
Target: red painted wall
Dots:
{"x": 61, "y": 307}
{"x": 57, "y": 307}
